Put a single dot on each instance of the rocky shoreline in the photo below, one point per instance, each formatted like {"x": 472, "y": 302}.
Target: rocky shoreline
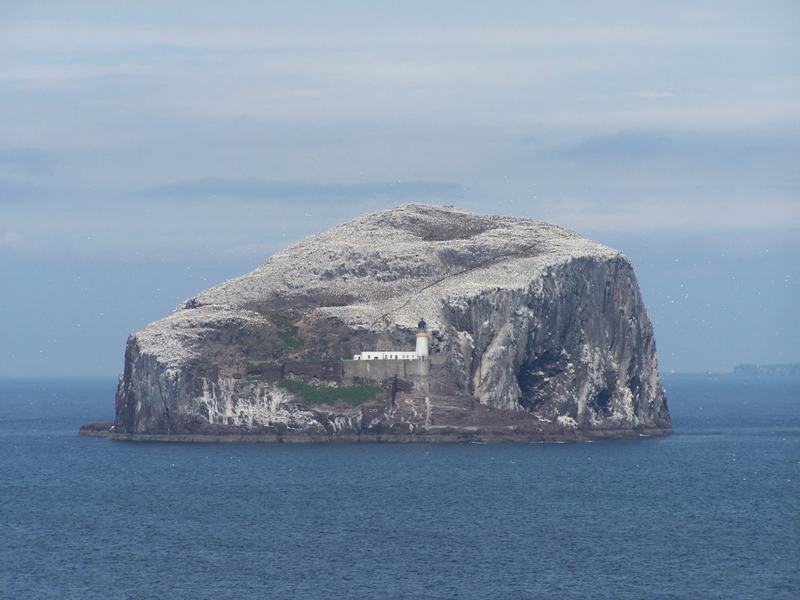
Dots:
{"x": 445, "y": 435}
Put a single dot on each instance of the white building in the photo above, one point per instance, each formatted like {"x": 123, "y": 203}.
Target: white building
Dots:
{"x": 393, "y": 355}
{"x": 421, "y": 353}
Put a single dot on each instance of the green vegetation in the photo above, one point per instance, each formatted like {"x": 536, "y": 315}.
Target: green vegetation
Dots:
{"x": 287, "y": 331}
{"x": 312, "y": 394}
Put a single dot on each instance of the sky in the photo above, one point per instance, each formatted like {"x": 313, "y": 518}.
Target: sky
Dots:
{"x": 150, "y": 150}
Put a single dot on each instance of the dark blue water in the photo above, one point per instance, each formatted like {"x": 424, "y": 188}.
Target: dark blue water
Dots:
{"x": 710, "y": 512}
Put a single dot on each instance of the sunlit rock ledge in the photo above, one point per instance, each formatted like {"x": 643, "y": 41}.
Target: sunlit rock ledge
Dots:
{"x": 535, "y": 333}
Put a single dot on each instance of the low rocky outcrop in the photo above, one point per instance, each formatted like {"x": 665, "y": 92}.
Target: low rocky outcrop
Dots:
{"x": 535, "y": 333}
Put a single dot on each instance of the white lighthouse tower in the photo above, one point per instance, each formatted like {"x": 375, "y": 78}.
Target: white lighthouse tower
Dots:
{"x": 422, "y": 340}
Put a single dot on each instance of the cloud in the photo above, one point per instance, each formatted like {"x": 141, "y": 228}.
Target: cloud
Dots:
{"x": 647, "y": 163}
{"x": 23, "y": 171}
{"x": 623, "y": 145}
{"x": 11, "y": 240}
{"x": 13, "y": 191}
{"x": 646, "y": 144}
{"x": 26, "y": 162}
{"x": 650, "y": 95}
{"x": 692, "y": 212}
{"x": 279, "y": 191}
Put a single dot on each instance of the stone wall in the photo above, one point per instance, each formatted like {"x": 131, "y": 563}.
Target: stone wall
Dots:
{"x": 381, "y": 370}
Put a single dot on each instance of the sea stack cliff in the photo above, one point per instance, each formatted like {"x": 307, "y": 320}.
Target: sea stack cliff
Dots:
{"x": 532, "y": 333}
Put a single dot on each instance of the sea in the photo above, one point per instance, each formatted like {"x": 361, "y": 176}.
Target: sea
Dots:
{"x": 712, "y": 511}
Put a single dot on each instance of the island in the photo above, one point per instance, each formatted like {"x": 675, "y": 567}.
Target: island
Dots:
{"x": 417, "y": 323}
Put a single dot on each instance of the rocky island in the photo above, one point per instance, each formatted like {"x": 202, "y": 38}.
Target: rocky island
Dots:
{"x": 532, "y": 332}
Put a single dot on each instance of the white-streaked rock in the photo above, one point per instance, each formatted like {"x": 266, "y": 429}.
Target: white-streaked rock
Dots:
{"x": 528, "y": 316}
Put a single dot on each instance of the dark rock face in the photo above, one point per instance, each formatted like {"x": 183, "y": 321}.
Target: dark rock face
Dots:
{"x": 535, "y": 333}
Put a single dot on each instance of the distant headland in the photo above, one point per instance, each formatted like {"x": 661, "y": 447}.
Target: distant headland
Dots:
{"x": 747, "y": 370}
{"x": 787, "y": 370}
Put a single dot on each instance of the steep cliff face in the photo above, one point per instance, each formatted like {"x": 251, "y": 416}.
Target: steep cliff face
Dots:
{"x": 535, "y": 332}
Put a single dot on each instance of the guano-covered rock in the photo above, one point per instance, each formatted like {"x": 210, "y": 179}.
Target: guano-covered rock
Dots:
{"x": 535, "y": 333}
